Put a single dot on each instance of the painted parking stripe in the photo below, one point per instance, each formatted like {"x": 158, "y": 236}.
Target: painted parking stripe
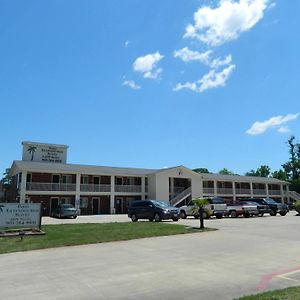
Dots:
{"x": 266, "y": 279}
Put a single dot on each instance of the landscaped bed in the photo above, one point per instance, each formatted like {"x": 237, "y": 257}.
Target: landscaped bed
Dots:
{"x": 79, "y": 234}
{"x": 292, "y": 293}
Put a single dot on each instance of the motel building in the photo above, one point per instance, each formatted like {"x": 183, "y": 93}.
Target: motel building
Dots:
{"x": 44, "y": 176}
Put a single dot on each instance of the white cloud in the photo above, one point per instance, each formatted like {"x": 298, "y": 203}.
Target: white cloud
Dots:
{"x": 218, "y": 62}
{"x": 212, "y": 79}
{"x": 261, "y": 127}
{"x": 284, "y": 129}
{"x": 215, "y": 26}
{"x": 127, "y": 43}
{"x": 147, "y": 65}
{"x": 131, "y": 84}
{"x": 187, "y": 55}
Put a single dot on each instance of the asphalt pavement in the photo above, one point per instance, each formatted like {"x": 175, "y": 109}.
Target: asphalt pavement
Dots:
{"x": 244, "y": 256}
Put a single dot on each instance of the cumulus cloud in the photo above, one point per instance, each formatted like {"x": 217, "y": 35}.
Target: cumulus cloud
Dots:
{"x": 284, "y": 129}
{"x": 261, "y": 127}
{"x": 215, "y": 26}
{"x": 147, "y": 65}
{"x": 212, "y": 79}
{"x": 218, "y": 62}
{"x": 131, "y": 84}
{"x": 187, "y": 55}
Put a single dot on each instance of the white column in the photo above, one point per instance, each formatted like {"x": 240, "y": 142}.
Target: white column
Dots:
{"x": 233, "y": 192}
{"x": 112, "y": 195}
{"x": 172, "y": 186}
{"x": 77, "y": 195}
{"x": 267, "y": 190}
{"x": 251, "y": 190}
{"x": 143, "y": 188}
{"x": 23, "y": 187}
{"x": 282, "y": 194}
{"x": 215, "y": 188}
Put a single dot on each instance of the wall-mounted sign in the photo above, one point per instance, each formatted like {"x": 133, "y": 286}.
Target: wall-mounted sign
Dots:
{"x": 16, "y": 215}
{"x": 44, "y": 152}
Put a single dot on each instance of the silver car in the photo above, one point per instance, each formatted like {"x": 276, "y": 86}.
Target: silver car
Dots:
{"x": 65, "y": 211}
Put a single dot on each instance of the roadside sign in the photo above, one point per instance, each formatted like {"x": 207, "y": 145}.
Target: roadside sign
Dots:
{"x": 20, "y": 215}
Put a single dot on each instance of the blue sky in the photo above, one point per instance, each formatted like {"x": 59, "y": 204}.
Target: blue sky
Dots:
{"x": 151, "y": 83}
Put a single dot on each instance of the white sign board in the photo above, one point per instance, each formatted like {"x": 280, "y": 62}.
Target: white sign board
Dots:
{"x": 27, "y": 215}
{"x": 44, "y": 152}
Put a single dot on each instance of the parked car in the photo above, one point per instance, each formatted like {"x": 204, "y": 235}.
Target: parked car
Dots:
{"x": 216, "y": 207}
{"x": 65, "y": 211}
{"x": 156, "y": 210}
{"x": 242, "y": 209}
{"x": 274, "y": 207}
{"x": 262, "y": 208}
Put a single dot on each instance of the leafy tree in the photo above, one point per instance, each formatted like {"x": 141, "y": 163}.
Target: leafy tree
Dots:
{"x": 6, "y": 182}
{"x": 201, "y": 170}
{"x": 262, "y": 171}
{"x": 225, "y": 171}
{"x": 280, "y": 174}
{"x": 199, "y": 204}
{"x": 292, "y": 167}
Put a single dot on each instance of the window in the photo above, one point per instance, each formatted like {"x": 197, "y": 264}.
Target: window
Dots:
{"x": 96, "y": 180}
{"x": 84, "y": 179}
{"x": 55, "y": 178}
{"x": 66, "y": 178}
{"x": 84, "y": 202}
{"x": 28, "y": 177}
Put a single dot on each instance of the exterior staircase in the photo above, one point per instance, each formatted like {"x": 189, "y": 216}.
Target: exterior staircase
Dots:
{"x": 294, "y": 195}
{"x": 181, "y": 196}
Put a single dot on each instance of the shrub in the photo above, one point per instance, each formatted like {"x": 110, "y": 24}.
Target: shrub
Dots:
{"x": 297, "y": 206}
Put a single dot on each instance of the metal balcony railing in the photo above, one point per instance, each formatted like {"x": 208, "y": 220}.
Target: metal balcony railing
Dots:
{"x": 128, "y": 188}
{"x": 226, "y": 191}
{"x": 208, "y": 190}
{"x": 240, "y": 191}
{"x": 274, "y": 192}
{"x": 44, "y": 186}
{"x": 259, "y": 191}
{"x": 95, "y": 187}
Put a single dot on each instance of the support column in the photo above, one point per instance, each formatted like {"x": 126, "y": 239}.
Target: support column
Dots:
{"x": 172, "y": 186}
{"x": 77, "y": 191}
{"x": 282, "y": 194}
{"x": 143, "y": 188}
{"x": 233, "y": 192}
{"x": 112, "y": 195}
{"x": 215, "y": 188}
{"x": 23, "y": 187}
{"x": 251, "y": 190}
{"x": 267, "y": 190}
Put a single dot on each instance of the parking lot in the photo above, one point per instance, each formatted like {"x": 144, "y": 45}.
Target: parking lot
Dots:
{"x": 246, "y": 255}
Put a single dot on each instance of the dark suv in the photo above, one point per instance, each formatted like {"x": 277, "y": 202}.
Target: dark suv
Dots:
{"x": 273, "y": 206}
{"x": 152, "y": 210}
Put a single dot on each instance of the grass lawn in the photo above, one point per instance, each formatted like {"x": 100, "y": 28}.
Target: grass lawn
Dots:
{"x": 79, "y": 234}
{"x": 292, "y": 293}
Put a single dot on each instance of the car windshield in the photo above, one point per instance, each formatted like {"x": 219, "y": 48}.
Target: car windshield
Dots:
{"x": 271, "y": 201}
{"x": 217, "y": 201}
{"x": 161, "y": 203}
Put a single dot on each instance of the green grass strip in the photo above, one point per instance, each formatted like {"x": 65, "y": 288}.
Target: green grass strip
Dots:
{"x": 292, "y": 293}
{"x": 80, "y": 234}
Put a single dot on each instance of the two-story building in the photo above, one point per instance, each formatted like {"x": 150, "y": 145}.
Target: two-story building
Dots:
{"x": 44, "y": 176}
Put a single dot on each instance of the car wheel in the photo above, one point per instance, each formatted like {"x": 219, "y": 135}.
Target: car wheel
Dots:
{"x": 151, "y": 220}
{"x": 261, "y": 214}
{"x": 74, "y": 217}
{"x": 273, "y": 213}
{"x": 205, "y": 215}
{"x": 233, "y": 214}
{"x": 219, "y": 216}
{"x": 134, "y": 218}
{"x": 59, "y": 216}
{"x": 246, "y": 214}
{"x": 183, "y": 214}
{"x": 175, "y": 219}
{"x": 282, "y": 213}
{"x": 157, "y": 217}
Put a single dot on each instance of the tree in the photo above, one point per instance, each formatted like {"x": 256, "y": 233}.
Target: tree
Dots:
{"x": 292, "y": 167}
{"x": 199, "y": 204}
{"x": 225, "y": 171}
{"x": 201, "y": 170}
{"x": 262, "y": 171}
{"x": 6, "y": 182}
{"x": 280, "y": 174}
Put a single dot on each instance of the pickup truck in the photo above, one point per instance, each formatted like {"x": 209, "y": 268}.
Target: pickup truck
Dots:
{"x": 216, "y": 207}
{"x": 246, "y": 210}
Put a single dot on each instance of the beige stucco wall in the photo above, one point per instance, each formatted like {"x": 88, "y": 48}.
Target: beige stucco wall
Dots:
{"x": 162, "y": 182}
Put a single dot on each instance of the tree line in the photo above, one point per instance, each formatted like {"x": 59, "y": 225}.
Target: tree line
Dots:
{"x": 289, "y": 171}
